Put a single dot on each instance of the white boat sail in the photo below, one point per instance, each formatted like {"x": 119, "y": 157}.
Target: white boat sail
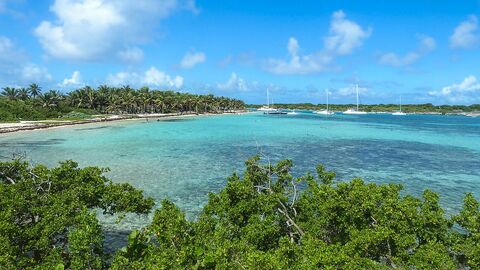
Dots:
{"x": 353, "y": 111}
{"x": 267, "y": 108}
{"x": 400, "y": 111}
{"x": 325, "y": 112}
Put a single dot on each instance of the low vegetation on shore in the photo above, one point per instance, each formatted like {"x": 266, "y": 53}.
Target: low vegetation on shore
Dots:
{"x": 264, "y": 219}
{"x": 32, "y": 103}
{"x": 408, "y": 108}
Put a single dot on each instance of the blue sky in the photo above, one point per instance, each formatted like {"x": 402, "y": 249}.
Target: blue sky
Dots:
{"x": 423, "y": 51}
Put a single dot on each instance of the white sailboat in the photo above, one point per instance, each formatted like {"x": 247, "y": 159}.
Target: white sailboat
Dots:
{"x": 266, "y": 108}
{"x": 325, "y": 112}
{"x": 400, "y": 111}
{"x": 353, "y": 111}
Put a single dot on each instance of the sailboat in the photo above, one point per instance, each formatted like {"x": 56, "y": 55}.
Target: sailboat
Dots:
{"x": 325, "y": 112}
{"x": 266, "y": 108}
{"x": 400, "y": 111}
{"x": 353, "y": 111}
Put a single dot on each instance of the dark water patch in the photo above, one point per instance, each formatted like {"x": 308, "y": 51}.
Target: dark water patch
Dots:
{"x": 431, "y": 123}
{"x": 115, "y": 239}
{"x": 92, "y": 128}
{"x": 174, "y": 120}
{"x": 28, "y": 144}
{"x": 415, "y": 165}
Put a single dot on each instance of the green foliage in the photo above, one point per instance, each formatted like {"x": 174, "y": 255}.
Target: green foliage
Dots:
{"x": 45, "y": 222}
{"x": 263, "y": 219}
{"x": 268, "y": 219}
{"x": 30, "y": 104}
{"x": 409, "y": 108}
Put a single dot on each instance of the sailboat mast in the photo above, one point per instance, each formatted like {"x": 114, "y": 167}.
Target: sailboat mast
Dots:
{"x": 356, "y": 87}
{"x": 268, "y": 99}
{"x": 400, "y": 104}
{"x": 327, "y": 100}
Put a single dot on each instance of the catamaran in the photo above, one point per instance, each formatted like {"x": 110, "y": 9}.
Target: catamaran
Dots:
{"x": 400, "y": 111}
{"x": 353, "y": 111}
{"x": 325, "y": 112}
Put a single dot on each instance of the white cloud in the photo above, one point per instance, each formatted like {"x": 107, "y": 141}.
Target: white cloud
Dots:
{"x": 465, "y": 35}
{"x": 15, "y": 67}
{"x": 350, "y": 91}
{"x": 9, "y": 54}
{"x": 34, "y": 73}
{"x": 426, "y": 45}
{"x": 466, "y": 91}
{"x": 191, "y": 59}
{"x": 344, "y": 36}
{"x": 131, "y": 55}
{"x": 75, "y": 80}
{"x": 192, "y": 6}
{"x": 299, "y": 64}
{"x": 234, "y": 83}
{"x": 3, "y": 5}
{"x": 151, "y": 77}
{"x": 92, "y": 30}
{"x": 392, "y": 59}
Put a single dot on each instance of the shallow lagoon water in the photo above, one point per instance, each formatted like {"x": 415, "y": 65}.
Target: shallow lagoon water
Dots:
{"x": 184, "y": 159}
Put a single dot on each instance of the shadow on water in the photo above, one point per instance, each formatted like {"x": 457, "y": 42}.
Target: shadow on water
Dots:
{"x": 91, "y": 128}
{"x": 114, "y": 239}
{"x": 174, "y": 120}
{"x": 38, "y": 143}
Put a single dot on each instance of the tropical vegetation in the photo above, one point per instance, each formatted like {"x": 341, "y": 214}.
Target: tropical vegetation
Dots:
{"x": 408, "y": 108}
{"x": 262, "y": 219}
{"x": 32, "y": 104}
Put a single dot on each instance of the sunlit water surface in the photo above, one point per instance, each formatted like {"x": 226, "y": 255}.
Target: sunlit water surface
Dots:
{"x": 184, "y": 159}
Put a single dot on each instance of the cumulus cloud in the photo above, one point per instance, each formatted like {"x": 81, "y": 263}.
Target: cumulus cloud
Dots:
{"x": 131, "y": 55}
{"x": 15, "y": 67}
{"x": 466, "y": 91}
{"x": 75, "y": 80}
{"x": 234, "y": 83}
{"x": 151, "y": 77}
{"x": 299, "y": 64}
{"x": 33, "y": 73}
{"x": 92, "y": 30}
{"x": 344, "y": 36}
{"x": 191, "y": 59}
{"x": 465, "y": 35}
{"x": 426, "y": 45}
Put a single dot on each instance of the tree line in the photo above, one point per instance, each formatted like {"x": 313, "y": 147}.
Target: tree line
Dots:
{"x": 262, "y": 219}
{"x": 408, "y": 108}
{"x": 33, "y": 103}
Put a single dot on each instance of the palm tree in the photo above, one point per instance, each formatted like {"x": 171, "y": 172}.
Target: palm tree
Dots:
{"x": 10, "y": 92}
{"x": 23, "y": 94}
{"x": 34, "y": 90}
{"x": 51, "y": 99}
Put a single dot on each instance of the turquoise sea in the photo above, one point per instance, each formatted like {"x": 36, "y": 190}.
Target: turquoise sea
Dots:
{"x": 184, "y": 159}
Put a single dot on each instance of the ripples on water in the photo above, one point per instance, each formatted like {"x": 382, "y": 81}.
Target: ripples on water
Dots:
{"x": 184, "y": 159}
